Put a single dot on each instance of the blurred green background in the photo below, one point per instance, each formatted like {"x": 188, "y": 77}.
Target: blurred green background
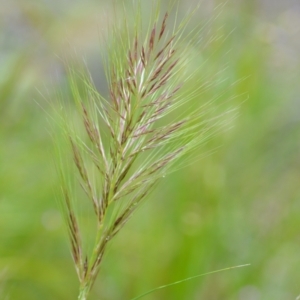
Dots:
{"x": 239, "y": 204}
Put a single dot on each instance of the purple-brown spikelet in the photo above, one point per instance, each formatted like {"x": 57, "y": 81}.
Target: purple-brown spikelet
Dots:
{"x": 74, "y": 233}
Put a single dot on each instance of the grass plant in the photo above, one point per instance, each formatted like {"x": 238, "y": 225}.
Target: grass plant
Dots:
{"x": 126, "y": 142}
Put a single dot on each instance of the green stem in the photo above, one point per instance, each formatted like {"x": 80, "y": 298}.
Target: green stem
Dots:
{"x": 84, "y": 291}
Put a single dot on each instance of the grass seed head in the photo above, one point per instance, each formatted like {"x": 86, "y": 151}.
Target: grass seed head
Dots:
{"x": 132, "y": 138}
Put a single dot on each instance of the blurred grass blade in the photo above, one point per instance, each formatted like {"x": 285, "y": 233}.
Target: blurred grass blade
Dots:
{"x": 187, "y": 279}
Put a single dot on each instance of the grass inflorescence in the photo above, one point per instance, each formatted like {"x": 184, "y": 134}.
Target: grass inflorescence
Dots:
{"x": 131, "y": 139}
